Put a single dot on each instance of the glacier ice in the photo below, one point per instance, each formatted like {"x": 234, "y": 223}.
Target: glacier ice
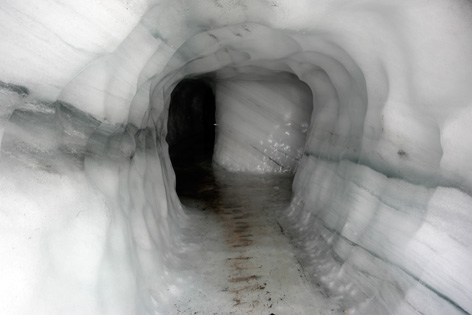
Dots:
{"x": 368, "y": 102}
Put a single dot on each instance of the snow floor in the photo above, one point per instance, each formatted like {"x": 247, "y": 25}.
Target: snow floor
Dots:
{"x": 243, "y": 262}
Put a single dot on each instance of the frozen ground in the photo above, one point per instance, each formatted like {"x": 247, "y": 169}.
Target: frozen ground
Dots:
{"x": 245, "y": 263}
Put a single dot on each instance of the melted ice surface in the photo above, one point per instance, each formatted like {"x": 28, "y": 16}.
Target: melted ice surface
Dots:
{"x": 377, "y": 132}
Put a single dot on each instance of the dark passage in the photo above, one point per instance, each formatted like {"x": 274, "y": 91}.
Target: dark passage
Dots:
{"x": 191, "y": 135}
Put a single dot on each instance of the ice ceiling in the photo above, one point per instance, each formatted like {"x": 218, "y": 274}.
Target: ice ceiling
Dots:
{"x": 372, "y": 97}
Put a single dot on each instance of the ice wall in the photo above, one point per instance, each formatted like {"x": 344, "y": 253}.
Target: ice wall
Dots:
{"x": 261, "y": 123}
{"x": 382, "y": 197}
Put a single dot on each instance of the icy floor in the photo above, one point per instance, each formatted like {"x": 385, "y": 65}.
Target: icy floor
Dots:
{"x": 245, "y": 264}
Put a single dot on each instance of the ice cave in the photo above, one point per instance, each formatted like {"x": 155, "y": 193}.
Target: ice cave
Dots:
{"x": 236, "y": 157}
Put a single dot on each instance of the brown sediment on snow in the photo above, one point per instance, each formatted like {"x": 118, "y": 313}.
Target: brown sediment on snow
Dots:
{"x": 239, "y": 258}
{"x": 244, "y": 279}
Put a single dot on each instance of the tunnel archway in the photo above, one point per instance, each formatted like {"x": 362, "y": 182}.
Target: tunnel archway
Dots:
{"x": 381, "y": 205}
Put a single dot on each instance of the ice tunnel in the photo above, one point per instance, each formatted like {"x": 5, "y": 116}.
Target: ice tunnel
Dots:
{"x": 367, "y": 103}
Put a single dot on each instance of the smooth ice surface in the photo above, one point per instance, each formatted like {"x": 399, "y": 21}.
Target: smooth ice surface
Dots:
{"x": 381, "y": 203}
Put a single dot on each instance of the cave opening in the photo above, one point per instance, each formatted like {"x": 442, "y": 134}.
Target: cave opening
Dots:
{"x": 191, "y": 134}
{"x": 238, "y": 176}
{"x": 221, "y": 128}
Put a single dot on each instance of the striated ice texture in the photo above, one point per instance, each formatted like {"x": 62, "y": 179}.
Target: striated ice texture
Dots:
{"x": 259, "y": 129}
{"x": 369, "y": 102}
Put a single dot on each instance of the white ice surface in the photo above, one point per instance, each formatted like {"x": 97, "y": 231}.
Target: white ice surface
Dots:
{"x": 382, "y": 196}
{"x": 261, "y": 125}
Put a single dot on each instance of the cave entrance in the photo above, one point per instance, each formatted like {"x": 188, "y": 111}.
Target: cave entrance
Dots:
{"x": 191, "y": 134}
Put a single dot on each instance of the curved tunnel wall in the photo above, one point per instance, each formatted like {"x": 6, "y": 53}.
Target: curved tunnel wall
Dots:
{"x": 382, "y": 196}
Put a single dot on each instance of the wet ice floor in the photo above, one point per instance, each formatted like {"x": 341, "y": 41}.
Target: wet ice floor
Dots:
{"x": 246, "y": 263}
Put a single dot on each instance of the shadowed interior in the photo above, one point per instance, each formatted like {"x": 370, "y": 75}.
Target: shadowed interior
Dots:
{"x": 191, "y": 133}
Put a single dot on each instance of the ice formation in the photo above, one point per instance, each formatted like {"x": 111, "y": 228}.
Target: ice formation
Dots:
{"x": 368, "y": 101}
